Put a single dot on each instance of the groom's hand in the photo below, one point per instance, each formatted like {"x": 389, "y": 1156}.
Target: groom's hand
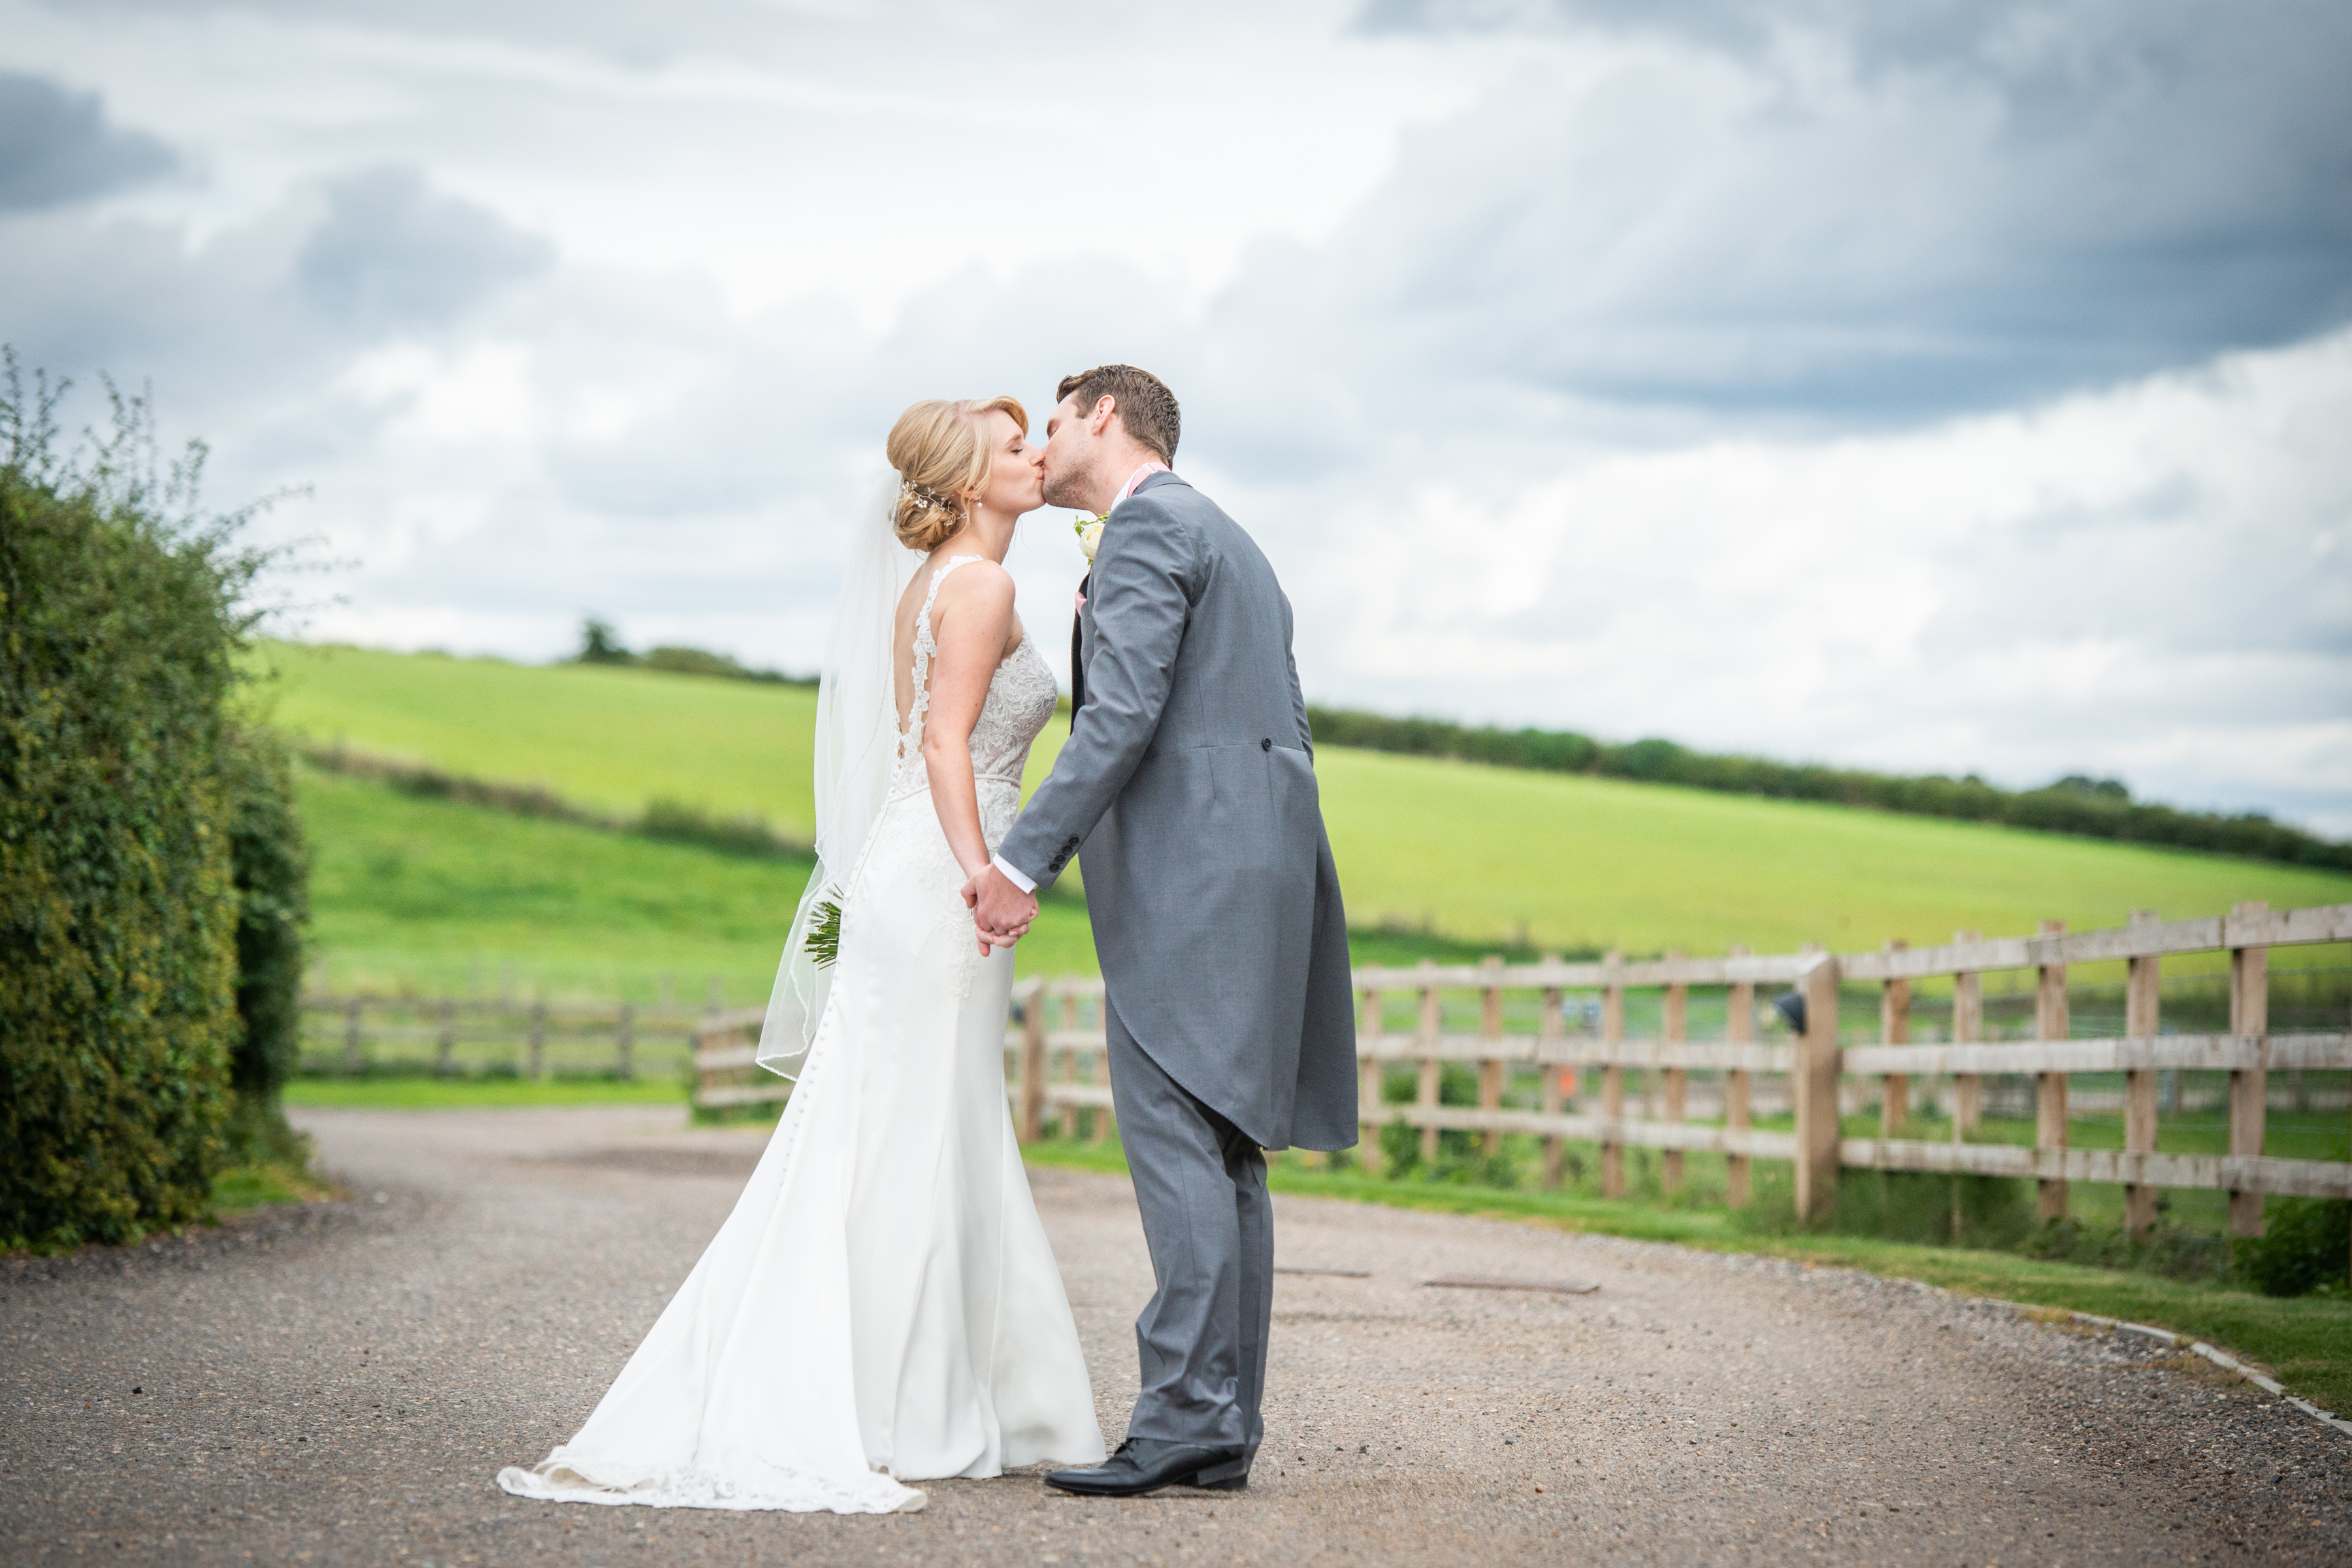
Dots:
{"x": 1000, "y": 913}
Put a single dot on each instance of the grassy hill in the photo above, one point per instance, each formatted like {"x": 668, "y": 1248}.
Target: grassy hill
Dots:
{"x": 446, "y": 899}
{"x": 1473, "y": 855}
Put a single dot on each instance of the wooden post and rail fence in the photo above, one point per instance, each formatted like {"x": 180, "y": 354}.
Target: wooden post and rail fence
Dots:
{"x": 468, "y": 1036}
{"x": 1059, "y": 1070}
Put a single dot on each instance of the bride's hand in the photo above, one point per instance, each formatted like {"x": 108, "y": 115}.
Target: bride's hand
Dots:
{"x": 1010, "y": 925}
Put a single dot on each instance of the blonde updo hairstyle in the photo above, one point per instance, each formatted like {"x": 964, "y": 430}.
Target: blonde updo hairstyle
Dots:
{"x": 941, "y": 450}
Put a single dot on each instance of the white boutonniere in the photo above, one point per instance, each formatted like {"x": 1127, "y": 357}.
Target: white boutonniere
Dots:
{"x": 1089, "y": 529}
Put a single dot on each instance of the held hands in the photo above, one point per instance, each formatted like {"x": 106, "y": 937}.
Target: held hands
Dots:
{"x": 1000, "y": 913}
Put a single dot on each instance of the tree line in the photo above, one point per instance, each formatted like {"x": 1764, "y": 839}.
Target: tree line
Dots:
{"x": 2095, "y": 808}
{"x": 2089, "y": 807}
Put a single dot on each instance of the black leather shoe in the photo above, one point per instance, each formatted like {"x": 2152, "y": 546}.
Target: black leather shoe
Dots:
{"x": 1145, "y": 1465}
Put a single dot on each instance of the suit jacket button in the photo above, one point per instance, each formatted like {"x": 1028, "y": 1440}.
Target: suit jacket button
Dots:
{"x": 1266, "y": 745}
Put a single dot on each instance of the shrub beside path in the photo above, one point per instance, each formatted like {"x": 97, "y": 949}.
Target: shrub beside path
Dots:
{"x": 338, "y": 1384}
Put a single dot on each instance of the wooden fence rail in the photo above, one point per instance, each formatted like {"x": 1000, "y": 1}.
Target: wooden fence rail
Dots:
{"x": 725, "y": 1062}
{"x": 582, "y": 1037}
{"x": 1813, "y": 1062}
{"x": 1058, "y": 1071}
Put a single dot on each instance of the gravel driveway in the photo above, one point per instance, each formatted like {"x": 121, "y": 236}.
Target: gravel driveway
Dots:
{"x": 337, "y": 1384}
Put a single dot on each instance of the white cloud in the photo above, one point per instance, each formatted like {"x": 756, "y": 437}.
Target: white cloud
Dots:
{"x": 1956, "y": 393}
{"x": 2122, "y": 583}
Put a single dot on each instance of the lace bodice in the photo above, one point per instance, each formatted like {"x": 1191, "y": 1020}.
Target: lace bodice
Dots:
{"x": 1021, "y": 697}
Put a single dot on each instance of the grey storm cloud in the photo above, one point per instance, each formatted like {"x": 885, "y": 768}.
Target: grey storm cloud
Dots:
{"x": 628, "y": 34}
{"x": 56, "y": 147}
{"x": 391, "y": 252}
{"x": 245, "y": 332}
{"x": 1870, "y": 213}
{"x": 1650, "y": 230}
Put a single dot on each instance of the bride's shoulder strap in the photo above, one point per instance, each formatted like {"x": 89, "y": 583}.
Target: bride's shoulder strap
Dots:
{"x": 931, "y": 598}
{"x": 939, "y": 575}
{"x": 927, "y": 642}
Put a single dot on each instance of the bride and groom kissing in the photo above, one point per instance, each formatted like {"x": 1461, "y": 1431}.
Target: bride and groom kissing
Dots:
{"x": 881, "y": 1306}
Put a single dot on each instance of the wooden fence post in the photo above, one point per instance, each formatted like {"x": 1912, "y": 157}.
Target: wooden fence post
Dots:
{"x": 1369, "y": 1073}
{"x": 1106, "y": 1119}
{"x": 1432, "y": 1025}
{"x": 2250, "y": 1018}
{"x": 1490, "y": 1068}
{"x": 1816, "y": 1088}
{"x": 1552, "y": 1029}
{"x": 1062, "y": 1066}
{"x": 1968, "y": 1028}
{"x": 1102, "y": 1122}
{"x": 2050, "y": 1024}
{"x": 445, "y": 1045}
{"x": 1677, "y": 1084}
{"x": 351, "y": 1059}
{"x": 539, "y": 1039}
{"x": 1894, "y": 1029}
{"x": 625, "y": 1045}
{"x": 1612, "y": 1074}
{"x": 2143, "y": 996}
{"x": 1739, "y": 1029}
{"x": 1033, "y": 1063}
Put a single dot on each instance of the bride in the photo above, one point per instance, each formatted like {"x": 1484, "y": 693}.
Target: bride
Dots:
{"x": 881, "y": 1306}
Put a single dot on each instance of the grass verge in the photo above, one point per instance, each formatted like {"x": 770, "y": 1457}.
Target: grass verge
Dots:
{"x": 244, "y": 1188}
{"x": 2305, "y": 1341}
{"x": 479, "y": 1093}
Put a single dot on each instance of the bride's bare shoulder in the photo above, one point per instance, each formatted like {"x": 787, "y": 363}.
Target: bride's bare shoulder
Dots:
{"x": 978, "y": 586}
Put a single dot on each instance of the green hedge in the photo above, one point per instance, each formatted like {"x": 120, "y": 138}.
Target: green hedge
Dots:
{"x": 119, "y": 913}
{"x": 2095, "y": 808}
{"x": 270, "y": 863}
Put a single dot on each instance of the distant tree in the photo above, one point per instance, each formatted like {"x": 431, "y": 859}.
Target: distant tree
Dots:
{"x": 2103, "y": 789}
{"x": 600, "y": 644}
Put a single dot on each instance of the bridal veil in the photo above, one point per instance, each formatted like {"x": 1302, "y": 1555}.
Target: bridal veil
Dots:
{"x": 856, "y": 743}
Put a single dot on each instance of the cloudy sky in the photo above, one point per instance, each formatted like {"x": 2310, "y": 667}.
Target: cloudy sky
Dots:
{"x": 1948, "y": 387}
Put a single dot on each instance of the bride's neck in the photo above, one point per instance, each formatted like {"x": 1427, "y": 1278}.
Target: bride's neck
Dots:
{"x": 984, "y": 535}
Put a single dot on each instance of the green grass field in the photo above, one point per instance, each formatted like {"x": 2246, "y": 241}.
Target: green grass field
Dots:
{"x": 1474, "y": 855}
{"x": 604, "y": 737}
{"x": 443, "y": 899}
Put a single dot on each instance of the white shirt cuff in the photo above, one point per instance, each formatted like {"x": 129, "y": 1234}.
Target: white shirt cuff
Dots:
{"x": 1014, "y": 874}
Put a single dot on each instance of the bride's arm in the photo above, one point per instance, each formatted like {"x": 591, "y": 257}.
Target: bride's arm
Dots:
{"x": 971, "y": 623}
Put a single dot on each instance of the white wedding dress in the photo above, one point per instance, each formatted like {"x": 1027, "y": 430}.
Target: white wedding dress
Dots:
{"x": 882, "y": 1305}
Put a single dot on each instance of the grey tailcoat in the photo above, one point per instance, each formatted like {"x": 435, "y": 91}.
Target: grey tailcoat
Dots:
{"x": 1188, "y": 788}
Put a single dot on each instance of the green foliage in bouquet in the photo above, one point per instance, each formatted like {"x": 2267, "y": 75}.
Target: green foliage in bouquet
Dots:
{"x": 824, "y": 929}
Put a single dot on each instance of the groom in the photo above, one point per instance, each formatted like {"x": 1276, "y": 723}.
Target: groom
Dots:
{"x": 1188, "y": 787}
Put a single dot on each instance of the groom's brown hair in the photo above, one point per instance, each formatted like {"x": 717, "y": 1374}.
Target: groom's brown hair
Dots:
{"x": 1146, "y": 408}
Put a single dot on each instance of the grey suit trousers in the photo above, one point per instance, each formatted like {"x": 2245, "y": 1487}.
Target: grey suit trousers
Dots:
{"x": 1201, "y": 1184}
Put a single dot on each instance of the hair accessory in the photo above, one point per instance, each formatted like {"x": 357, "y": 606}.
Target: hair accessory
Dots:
{"x": 925, "y": 494}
